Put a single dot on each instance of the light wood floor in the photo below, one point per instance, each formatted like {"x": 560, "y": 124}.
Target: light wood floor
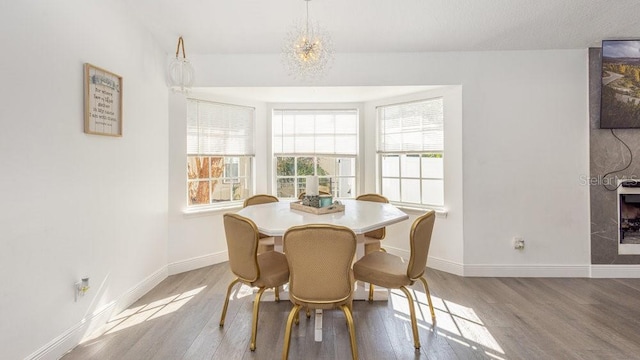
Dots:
{"x": 477, "y": 318}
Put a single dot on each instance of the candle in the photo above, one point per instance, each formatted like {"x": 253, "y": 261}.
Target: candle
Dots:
{"x": 312, "y": 186}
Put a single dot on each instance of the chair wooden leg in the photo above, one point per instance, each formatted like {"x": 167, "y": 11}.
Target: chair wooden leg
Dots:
{"x": 412, "y": 313}
{"x": 297, "y": 319}
{"x": 287, "y": 334}
{"x": 277, "y": 288}
{"x": 226, "y": 301}
{"x": 254, "y": 325}
{"x": 352, "y": 331}
{"x": 426, "y": 291}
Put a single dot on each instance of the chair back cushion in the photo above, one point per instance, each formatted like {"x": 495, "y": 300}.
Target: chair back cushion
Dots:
{"x": 319, "y": 258}
{"x": 379, "y": 233}
{"x": 420, "y": 239}
{"x": 259, "y": 199}
{"x": 242, "y": 244}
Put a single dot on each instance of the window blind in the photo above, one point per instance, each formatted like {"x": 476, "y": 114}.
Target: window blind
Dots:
{"x": 322, "y": 132}
{"x": 411, "y": 127}
{"x": 219, "y": 129}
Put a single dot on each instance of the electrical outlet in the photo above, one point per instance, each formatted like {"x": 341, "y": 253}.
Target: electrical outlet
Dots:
{"x": 81, "y": 288}
{"x": 518, "y": 243}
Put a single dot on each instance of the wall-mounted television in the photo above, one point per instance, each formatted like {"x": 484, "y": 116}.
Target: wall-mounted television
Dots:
{"x": 620, "y": 99}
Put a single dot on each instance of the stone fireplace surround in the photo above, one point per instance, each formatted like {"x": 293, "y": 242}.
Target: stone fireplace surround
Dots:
{"x": 607, "y": 154}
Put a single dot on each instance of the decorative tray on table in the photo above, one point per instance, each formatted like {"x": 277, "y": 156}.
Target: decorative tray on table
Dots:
{"x": 333, "y": 208}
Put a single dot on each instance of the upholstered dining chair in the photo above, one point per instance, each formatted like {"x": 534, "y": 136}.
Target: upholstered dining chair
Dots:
{"x": 259, "y": 199}
{"x": 264, "y": 271}
{"x": 320, "y": 257}
{"x": 372, "y": 239}
{"x": 266, "y": 242}
{"x": 392, "y": 272}
{"x": 302, "y": 194}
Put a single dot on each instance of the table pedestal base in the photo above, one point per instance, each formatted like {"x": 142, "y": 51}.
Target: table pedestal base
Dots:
{"x": 317, "y": 334}
{"x": 361, "y": 291}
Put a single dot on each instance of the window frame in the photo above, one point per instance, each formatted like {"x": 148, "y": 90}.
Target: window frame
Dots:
{"x": 321, "y": 107}
{"x": 380, "y": 154}
{"x": 224, "y": 178}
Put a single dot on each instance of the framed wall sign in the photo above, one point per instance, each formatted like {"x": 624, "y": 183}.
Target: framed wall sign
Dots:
{"x": 102, "y": 101}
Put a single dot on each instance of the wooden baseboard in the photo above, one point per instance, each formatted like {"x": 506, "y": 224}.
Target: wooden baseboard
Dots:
{"x": 615, "y": 271}
{"x": 517, "y": 270}
{"x": 197, "y": 262}
{"x": 433, "y": 262}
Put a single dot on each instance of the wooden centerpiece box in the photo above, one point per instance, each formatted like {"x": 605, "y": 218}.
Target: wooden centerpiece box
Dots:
{"x": 333, "y": 208}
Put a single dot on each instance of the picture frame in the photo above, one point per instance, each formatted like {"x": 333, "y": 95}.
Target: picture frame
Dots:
{"x": 102, "y": 102}
{"x": 620, "y": 86}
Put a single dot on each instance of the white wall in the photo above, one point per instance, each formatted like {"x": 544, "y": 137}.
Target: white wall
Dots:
{"x": 74, "y": 204}
{"x": 524, "y": 148}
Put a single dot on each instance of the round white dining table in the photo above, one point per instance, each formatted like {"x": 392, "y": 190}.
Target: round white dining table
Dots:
{"x": 275, "y": 218}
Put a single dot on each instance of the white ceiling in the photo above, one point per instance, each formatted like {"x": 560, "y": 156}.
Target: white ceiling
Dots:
{"x": 375, "y": 26}
{"x": 259, "y": 26}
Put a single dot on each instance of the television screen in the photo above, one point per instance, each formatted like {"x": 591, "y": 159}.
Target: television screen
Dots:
{"x": 620, "y": 100}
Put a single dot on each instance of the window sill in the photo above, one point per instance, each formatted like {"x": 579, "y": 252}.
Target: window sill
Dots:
{"x": 211, "y": 210}
{"x": 441, "y": 212}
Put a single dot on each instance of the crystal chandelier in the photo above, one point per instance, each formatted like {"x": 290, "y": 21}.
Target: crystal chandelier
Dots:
{"x": 307, "y": 51}
{"x": 181, "y": 74}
